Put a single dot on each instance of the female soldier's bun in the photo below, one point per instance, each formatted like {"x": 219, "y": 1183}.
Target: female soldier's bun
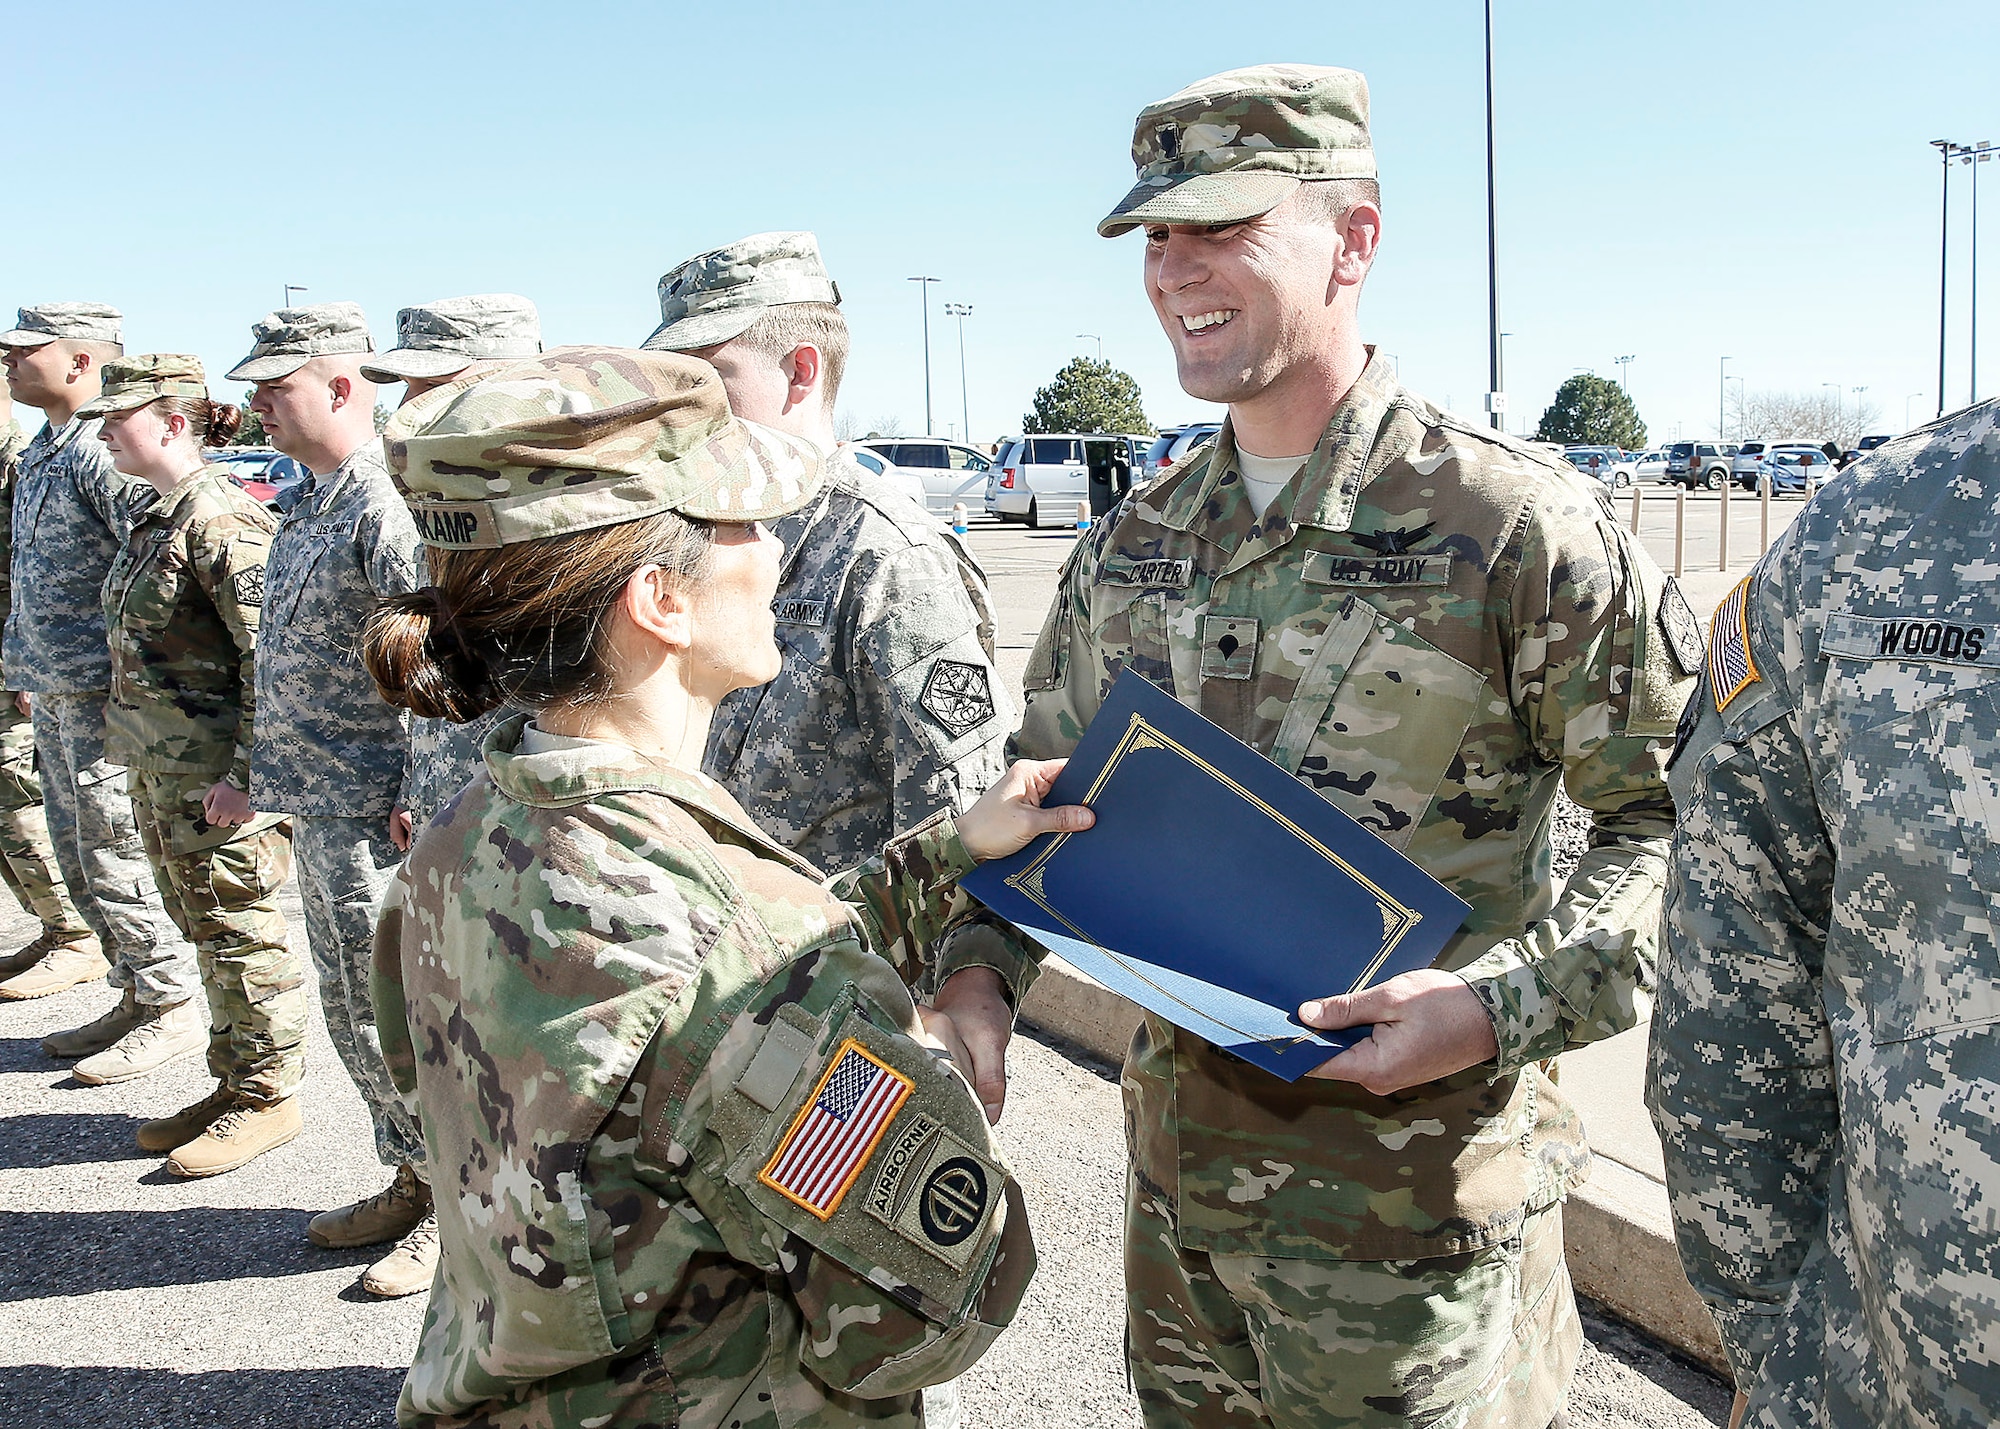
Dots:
{"x": 418, "y": 662}
{"x": 225, "y": 420}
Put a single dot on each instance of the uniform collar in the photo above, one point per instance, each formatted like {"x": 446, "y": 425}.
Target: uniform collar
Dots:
{"x": 52, "y": 438}
{"x": 558, "y": 777}
{"x": 166, "y": 508}
{"x": 1351, "y": 453}
{"x": 318, "y": 493}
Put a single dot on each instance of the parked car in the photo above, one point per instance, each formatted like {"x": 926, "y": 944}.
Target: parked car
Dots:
{"x": 1650, "y": 466}
{"x": 910, "y": 483}
{"x": 1601, "y": 462}
{"x": 264, "y": 473}
{"x": 1172, "y": 445}
{"x": 1703, "y": 464}
{"x": 1750, "y": 465}
{"x": 948, "y": 472}
{"x": 1793, "y": 467}
{"x": 1043, "y": 478}
{"x": 1863, "y": 447}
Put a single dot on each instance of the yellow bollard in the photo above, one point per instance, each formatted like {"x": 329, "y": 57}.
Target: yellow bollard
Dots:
{"x": 1680, "y": 530}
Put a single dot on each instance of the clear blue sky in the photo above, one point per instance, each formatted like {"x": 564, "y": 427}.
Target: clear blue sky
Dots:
{"x": 1676, "y": 181}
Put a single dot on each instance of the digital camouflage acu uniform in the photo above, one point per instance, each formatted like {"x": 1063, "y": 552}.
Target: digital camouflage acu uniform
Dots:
{"x": 329, "y": 751}
{"x": 71, "y": 511}
{"x": 1435, "y": 629}
{"x": 888, "y": 708}
{"x": 1824, "y": 1069}
{"x": 181, "y": 606}
{"x": 708, "y": 1175}
{"x": 434, "y": 341}
{"x": 27, "y": 858}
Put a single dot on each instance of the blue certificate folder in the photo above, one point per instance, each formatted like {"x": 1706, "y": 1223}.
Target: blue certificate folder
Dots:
{"x": 1215, "y": 890}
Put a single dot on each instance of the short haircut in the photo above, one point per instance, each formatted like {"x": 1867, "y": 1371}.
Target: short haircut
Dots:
{"x": 789, "y": 326}
{"x": 1329, "y": 199}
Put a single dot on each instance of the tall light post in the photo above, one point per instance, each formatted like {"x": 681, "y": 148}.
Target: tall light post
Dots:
{"x": 926, "y": 291}
{"x": 1096, "y": 339}
{"x": 1624, "y": 364}
{"x": 291, "y": 288}
{"x": 1496, "y": 396}
{"x": 1946, "y": 150}
{"x": 962, "y": 311}
{"x": 1722, "y": 399}
{"x": 1975, "y": 155}
{"x": 1858, "y": 391}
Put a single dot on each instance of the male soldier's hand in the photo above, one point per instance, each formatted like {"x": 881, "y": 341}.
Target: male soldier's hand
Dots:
{"x": 980, "y": 1023}
{"x": 225, "y": 806}
{"x": 1428, "y": 1024}
{"x": 399, "y": 830}
{"x": 24, "y": 705}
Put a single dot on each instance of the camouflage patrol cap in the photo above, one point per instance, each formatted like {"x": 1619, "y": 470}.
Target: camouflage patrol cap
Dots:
{"x": 291, "y": 337}
{"x": 438, "y": 339}
{"x": 131, "y": 382}
{"x": 74, "y": 322}
{"x": 583, "y": 437}
{"x": 715, "y": 297}
{"x": 1237, "y": 144}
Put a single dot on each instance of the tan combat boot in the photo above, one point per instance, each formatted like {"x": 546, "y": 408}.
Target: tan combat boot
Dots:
{"x": 408, "y": 1268}
{"x": 64, "y": 965}
{"x": 163, "y": 1035}
{"x": 32, "y": 953}
{"x": 237, "y": 1137}
{"x": 389, "y": 1214}
{"x": 95, "y": 1036}
{"x": 164, "y": 1133}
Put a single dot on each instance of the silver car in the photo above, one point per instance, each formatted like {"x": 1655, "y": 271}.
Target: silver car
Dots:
{"x": 947, "y": 472}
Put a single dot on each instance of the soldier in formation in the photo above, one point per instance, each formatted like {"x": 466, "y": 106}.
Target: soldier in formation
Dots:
{"x": 1823, "y": 1068}
{"x": 1435, "y": 628}
{"x": 701, "y": 1163}
{"x": 449, "y": 341}
{"x": 27, "y": 858}
{"x": 70, "y": 511}
{"x": 887, "y": 708}
{"x": 181, "y": 606}
{"x": 329, "y": 751}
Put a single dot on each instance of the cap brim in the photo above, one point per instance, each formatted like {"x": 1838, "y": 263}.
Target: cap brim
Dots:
{"x": 401, "y": 363}
{"x": 267, "y": 369}
{"x": 776, "y": 475}
{"x": 1199, "y": 199}
{"x": 102, "y": 406}
{"x": 25, "y": 337}
{"x": 701, "y": 330}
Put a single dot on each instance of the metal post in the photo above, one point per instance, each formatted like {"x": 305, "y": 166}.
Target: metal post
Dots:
{"x": 1944, "y": 148}
{"x": 1638, "y": 496}
{"x": 1721, "y": 400}
{"x": 1975, "y": 158}
{"x": 1680, "y": 530}
{"x": 925, "y": 289}
{"x": 1722, "y": 555}
{"x": 1497, "y": 418}
{"x": 962, "y": 311}
{"x": 1764, "y": 512}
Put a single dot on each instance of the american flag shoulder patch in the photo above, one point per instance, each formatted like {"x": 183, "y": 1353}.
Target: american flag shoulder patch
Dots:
{"x": 1731, "y": 670}
{"x": 821, "y": 1155}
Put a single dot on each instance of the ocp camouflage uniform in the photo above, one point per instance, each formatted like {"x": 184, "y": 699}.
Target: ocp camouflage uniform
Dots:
{"x": 330, "y": 752}
{"x": 27, "y": 858}
{"x": 888, "y": 708}
{"x": 1824, "y": 1067}
{"x": 72, "y": 508}
{"x": 181, "y": 605}
{"x": 1433, "y": 628}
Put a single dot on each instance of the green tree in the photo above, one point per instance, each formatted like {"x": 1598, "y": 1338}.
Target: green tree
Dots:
{"x": 1593, "y": 411}
{"x": 1088, "y": 396}
{"x": 251, "y": 433}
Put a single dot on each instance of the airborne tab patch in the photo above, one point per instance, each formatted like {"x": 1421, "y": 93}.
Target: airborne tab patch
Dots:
{"x": 831, "y": 1139}
{"x": 935, "y": 1191}
{"x": 1731, "y": 670}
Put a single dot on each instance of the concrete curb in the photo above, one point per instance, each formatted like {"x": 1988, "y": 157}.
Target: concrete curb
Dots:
{"x": 1617, "y": 1229}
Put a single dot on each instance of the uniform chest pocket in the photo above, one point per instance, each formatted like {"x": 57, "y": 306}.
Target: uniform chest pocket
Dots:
{"x": 1130, "y": 625}
{"x": 151, "y": 589}
{"x": 1377, "y": 720}
{"x": 1923, "y": 789}
{"x": 302, "y": 577}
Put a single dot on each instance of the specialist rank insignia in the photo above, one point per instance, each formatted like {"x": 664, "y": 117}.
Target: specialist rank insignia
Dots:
{"x": 957, "y": 695}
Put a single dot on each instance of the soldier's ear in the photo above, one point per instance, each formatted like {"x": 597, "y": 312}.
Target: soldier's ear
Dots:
{"x": 659, "y": 607}
{"x": 341, "y": 389}
{"x": 804, "y": 366}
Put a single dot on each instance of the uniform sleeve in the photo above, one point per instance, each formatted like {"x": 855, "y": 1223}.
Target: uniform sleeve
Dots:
{"x": 107, "y": 491}
{"x": 228, "y": 560}
{"x": 908, "y": 894}
{"x": 1583, "y": 615}
{"x": 1740, "y": 1080}
{"x": 391, "y": 556}
{"x": 925, "y": 691}
{"x": 1064, "y": 683}
{"x": 904, "y": 1246}
{"x": 385, "y": 986}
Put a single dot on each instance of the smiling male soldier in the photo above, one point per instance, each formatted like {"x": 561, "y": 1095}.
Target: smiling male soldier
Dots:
{"x": 1436, "y": 629}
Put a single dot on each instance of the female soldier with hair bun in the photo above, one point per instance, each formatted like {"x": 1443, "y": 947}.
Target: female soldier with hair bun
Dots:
{"x": 700, "y": 1161}
{"x": 181, "y": 606}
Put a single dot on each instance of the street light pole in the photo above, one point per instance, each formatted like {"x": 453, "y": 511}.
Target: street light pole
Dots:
{"x": 1839, "y": 407}
{"x": 1906, "y": 409}
{"x": 926, "y": 291}
{"x": 1858, "y": 391}
{"x": 962, "y": 311}
{"x": 1975, "y": 156}
{"x": 1722, "y": 400}
{"x": 1624, "y": 363}
{"x": 1496, "y": 399}
{"x": 1945, "y": 149}
{"x": 1096, "y": 339}
{"x": 291, "y": 288}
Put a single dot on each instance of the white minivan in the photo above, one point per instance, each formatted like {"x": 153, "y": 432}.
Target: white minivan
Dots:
{"x": 950, "y": 472}
{"x": 1042, "y": 479}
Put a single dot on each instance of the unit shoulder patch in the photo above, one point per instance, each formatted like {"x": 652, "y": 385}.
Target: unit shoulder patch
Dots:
{"x": 1731, "y": 669}
{"x": 248, "y": 586}
{"x": 958, "y": 695}
{"x": 1682, "y": 628}
{"x": 934, "y": 1190}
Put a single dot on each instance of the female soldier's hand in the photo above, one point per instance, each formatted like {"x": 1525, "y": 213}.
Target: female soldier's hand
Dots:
{"x": 1010, "y": 814}
{"x": 225, "y": 806}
